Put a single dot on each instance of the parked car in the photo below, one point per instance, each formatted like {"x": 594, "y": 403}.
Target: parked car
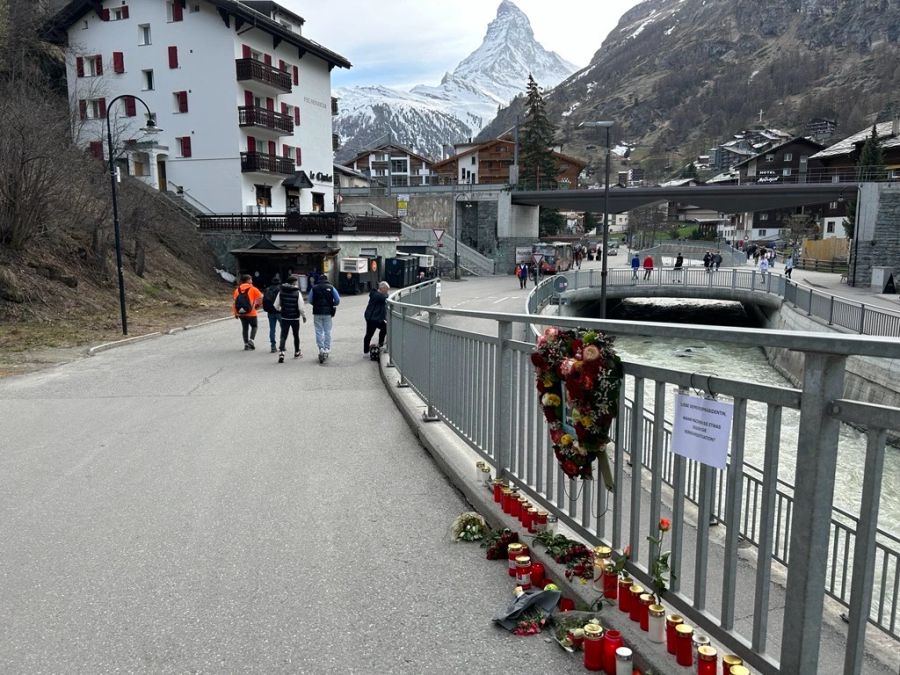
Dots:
{"x": 613, "y": 250}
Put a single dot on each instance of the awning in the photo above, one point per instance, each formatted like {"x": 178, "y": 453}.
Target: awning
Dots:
{"x": 296, "y": 249}
{"x": 298, "y": 181}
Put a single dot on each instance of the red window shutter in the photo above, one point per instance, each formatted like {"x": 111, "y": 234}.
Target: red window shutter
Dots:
{"x": 79, "y": 66}
{"x": 119, "y": 62}
{"x": 299, "y": 156}
{"x": 248, "y": 99}
{"x": 296, "y": 75}
{"x": 177, "y": 13}
{"x": 185, "y": 146}
{"x": 124, "y": 11}
{"x": 267, "y": 58}
{"x": 130, "y": 108}
{"x": 96, "y": 149}
{"x": 272, "y": 148}
{"x": 104, "y": 15}
{"x": 270, "y": 104}
{"x": 286, "y": 151}
{"x": 245, "y": 50}
{"x": 251, "y": 144}
{"x": 82, "y": 109}
{"x": 182, "y": 101}
{"x": 98, "y": 65}
{"x": 296, "y": 115}
{"x": 101, "y": 107}
{"x": 284, "y": 108}
{"x": 173, "y": 57}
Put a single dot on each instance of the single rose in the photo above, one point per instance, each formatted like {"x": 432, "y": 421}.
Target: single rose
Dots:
{"x": 591, "y": 353}
{"x": 664, "y": 524}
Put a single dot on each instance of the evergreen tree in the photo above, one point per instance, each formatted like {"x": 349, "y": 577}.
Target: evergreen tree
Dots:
{"x": 590, "y": 222}
{"x": 871, "y": 157}
{"x": 690, "y": 171}
{"x": 550, "y": 222}
{"x": 539, "y": 167}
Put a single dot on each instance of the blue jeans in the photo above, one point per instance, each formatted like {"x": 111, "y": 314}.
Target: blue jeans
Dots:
{"x": 273, "y": 322}
{"x": 322, "y": 324}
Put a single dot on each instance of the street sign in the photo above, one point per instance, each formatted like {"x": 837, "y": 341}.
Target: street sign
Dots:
{"x": 438, "y": 234}
{"x": 537, "y": 258}
{"x": 560, "y": 284}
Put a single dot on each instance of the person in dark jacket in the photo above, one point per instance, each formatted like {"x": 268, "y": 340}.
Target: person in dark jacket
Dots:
{"x": 376, "y": 315}
{"x": 324, "y": 298}
{"x": 289, "y": 304}
{"x": 269, "y": 296}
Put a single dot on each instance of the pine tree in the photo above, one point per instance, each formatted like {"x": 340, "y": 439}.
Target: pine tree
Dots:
{"x": 539, "y": 167}
{"x": 871, "y": 157}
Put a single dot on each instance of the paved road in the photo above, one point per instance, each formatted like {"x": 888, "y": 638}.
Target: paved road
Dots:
{"x": 180, "y": 505}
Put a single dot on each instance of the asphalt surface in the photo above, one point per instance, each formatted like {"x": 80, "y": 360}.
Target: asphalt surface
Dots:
{"x": 180, "y": 505}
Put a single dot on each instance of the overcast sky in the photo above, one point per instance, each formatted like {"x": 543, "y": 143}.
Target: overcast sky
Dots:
{"x": 401, "y": 43}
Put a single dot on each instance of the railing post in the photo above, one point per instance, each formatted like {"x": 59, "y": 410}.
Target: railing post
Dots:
{"x": 831, "y": 311}
{"x": 823, "y": 382}
{"x": 429, "y": 415}
{"x": 862, "y": 318}
{"x": 402, "y": 383}
{"x": 733, "y": 278}
{"x": 502, "y": 398}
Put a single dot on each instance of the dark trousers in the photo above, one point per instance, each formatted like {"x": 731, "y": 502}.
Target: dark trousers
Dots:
{"x": 647, "y": 271}
{"x": 273, "y": 321}
{"x": 371, "y": 327}
{"x": 290, "y": 325}
{"x": 523, "y": 282}
{"x": 248, "y": 325}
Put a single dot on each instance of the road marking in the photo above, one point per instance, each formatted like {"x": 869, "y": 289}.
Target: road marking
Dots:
{"x": 497, "y": 302}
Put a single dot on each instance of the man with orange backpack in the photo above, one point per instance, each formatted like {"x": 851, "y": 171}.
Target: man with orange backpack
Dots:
{"x": 247, "y": 299}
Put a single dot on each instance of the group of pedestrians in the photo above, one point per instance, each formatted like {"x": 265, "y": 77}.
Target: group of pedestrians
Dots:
{"x": 636, "y": 266}
{"x": 285, "y": 309}
{"x": 712, "y": 261}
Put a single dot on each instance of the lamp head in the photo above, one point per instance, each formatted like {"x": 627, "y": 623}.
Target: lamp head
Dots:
{"x": 150, "y": 127}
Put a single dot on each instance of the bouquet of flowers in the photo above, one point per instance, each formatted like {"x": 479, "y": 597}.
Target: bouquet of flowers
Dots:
{"x": 582, "y": 367}
{"x": 469, "y": 526}
{"x": 577, "y": 557}
{"x": 496, "y": 544}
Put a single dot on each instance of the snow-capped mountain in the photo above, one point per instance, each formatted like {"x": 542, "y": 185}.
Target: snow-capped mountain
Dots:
{"x": 426, "y": 117}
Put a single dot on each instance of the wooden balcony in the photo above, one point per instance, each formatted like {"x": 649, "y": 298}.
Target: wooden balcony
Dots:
{"x": 268, "y": 76}
{"x": 260, "y": 162}
{"x": 268, "y": 120}
{"x": 326, "y": 224}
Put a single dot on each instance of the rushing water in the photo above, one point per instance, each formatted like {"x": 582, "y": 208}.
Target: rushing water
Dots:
{"x": 749, "y": 363}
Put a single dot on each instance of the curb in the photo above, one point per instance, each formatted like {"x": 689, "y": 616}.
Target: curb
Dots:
{"x": 441, "y": 443}
{"x": 92, "y": 351}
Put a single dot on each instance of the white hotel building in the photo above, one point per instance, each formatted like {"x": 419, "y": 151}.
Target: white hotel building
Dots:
{"x": 242, "y": 98}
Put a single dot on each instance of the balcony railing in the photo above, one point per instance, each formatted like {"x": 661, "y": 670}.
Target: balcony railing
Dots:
{"x": 251, "y": 69}
{"x": 262, "y": 118}
{"x": 335, "y": 142}
{"x": 334, "y": 106}
{"x": 260, "y": 162}
{"x": 328, "y": 224}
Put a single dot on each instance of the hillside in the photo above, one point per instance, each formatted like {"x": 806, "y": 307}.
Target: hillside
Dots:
{"x": 679, "y": 76}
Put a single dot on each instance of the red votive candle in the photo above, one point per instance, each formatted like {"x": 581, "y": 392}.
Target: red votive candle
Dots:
{"x": 612, "y": 640}
{"x": 566, "y": 604}
{"x": 523, "y": 510}
{"x": 707, "y": 660}
{"x": 498, "y": 490}
{"x": 514, "y": 503}
{"x": 646, "y": 600}
{"x": 684, "y": 647}
{"x": 610, "y": 581}
{"x": 514, "y": 551}
{"x": 537, "y": 574}
{"x": 672, "y": 622}
{"x": 532, "y": 520}
{"x": 593, "y": 647}
{"x": 625, "y": 594}
{"x": 505, "y": 496}
{"x": 729, "y": 660}
{"x": 523, "y": 572}
{"x": 634, "y": 606}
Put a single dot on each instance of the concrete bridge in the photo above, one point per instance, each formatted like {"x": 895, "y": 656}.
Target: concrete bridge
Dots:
{"x": 694, "y": 250}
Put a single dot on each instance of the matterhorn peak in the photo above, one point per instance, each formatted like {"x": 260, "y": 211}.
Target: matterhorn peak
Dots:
{"x": 510, "y": 20}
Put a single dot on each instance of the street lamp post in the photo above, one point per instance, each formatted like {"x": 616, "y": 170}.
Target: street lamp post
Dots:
{"x": 150, "y": 128}
{"x": 603, "y": 255}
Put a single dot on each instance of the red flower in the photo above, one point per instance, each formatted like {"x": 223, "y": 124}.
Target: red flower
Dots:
{"x": 587, "y": 382}
{"x": 550, "y": 414}
{"x": 538, "y": 360}
{"x": 556, "y": 435}
{"x": 581, "y": 432}
{"x": 570, "y": 468}
{"x": 664, "y": 524}
{"x": 627, "y": 551}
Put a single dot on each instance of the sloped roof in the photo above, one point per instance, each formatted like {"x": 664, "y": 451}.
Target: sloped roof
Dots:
{"x": 395, "y": 146}
{"x": 848, "y": 145}
{"x": 798, "y": 139}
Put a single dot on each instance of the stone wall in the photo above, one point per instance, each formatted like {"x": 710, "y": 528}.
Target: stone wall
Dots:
{"x": 878, "y": 240}
{"x": 223, "y": 242}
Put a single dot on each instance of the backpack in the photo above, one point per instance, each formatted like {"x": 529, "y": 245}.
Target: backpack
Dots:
{"x": 242, "y": 304}
{"x": 269, "y": 298}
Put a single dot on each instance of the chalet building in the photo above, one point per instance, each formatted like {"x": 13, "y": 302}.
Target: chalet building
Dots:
{"x": 489, "y": 164}
{"x": 845, "y": 154}
{"x": 707, "y": 220}
{"x": 743, "y": 146}
{"x": 395, "y": 165}
{"x": 242, "y": 99}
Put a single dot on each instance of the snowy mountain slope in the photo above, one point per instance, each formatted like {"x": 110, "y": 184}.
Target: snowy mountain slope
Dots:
{"x": 467, "y": 99}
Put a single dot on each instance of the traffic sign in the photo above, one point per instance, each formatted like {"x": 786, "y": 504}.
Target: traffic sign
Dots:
{"x": 560, "y": 284}
{"x": 538, "y": 257}
{"x": 438, "y": 234}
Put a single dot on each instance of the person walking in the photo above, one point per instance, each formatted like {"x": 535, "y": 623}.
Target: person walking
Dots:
{"x": 376, "y": 316}
{"x": 648, "y": 266}
{"x": 247, "y": 299}
{"x": 272, "y": 314}
{"x": 717, "y": 260}
{"x": 789, "y": 265}
{"x": 679, "y": 265}
{"x": 289, "y": 304}
{"x": 522, "y": 273}
{"x": 763, "y": 267}
{"x": 324, "y": 298}
{"x": 635, "y": 265}
{"x": 707, "y": 261}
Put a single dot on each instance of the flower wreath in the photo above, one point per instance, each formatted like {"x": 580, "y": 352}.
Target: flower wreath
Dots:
{"x": 583, "y": 366}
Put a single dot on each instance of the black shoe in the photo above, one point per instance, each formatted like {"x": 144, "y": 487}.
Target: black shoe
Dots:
{"x": 298, "y": 354}
{"x": 322, "y": 357}
{"x": 246, "y": 347}
{"x": 274, "y": 349}
{"x": 250, "y": 344}
{"x": 280, "y": 357}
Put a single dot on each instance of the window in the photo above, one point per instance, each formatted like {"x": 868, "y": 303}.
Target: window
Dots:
{"x": 829, "y": 228}
{"x": 181, "y": 101}
{"x": 788, "y": 156}
{"x": 144, "y": 34}
{"x": 85, "y": 25}
{"x": 833, "y": 206}
{"x": 398, "y": 166}
{"x": 174, "y": 11}
{"x": 184, "y": 143}
{"x": 91, "y": 109}
{"x": 89, "y": 66}
{"x": 118, "y": 13}
{"x": 763, "y": 216}
{"x": 762, "y": 233}
{"x": 785, "y": 172}
{"x": 173, "y": 57}
{"x": 148, "y": 80}
{"x": 770, "y": 158}
{"x": 118, "y": 62}
{"x": 263, "y": 195}
{"x": 473, "y": 160}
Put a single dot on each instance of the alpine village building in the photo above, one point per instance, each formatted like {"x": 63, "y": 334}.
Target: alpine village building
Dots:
{"x": 242, "y": 99}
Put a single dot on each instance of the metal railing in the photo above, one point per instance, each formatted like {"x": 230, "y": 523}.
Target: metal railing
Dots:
{"x": 469, "y": 258}
{"x": 301, "y": 223}
{"x": 261, "y": 162}
{"x": 481, "y": 385}
{"x": 258, "y": 71}
{"x": 832, "y": 309}
{"x": 254, "y": 116}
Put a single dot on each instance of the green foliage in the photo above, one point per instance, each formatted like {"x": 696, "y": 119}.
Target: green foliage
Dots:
{"x": 590, "y": 221}
{"x": 550, "y": 222}
{"x": 539, "y": 166}
{"x": 871, "y": 157}
{"x": 690, "y": 171}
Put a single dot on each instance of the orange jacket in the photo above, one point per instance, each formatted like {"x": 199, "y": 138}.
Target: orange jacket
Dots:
{"x": 254, "y": 294}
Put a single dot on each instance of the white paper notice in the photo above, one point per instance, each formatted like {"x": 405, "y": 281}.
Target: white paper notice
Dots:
{"x": 702, "y": 428}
